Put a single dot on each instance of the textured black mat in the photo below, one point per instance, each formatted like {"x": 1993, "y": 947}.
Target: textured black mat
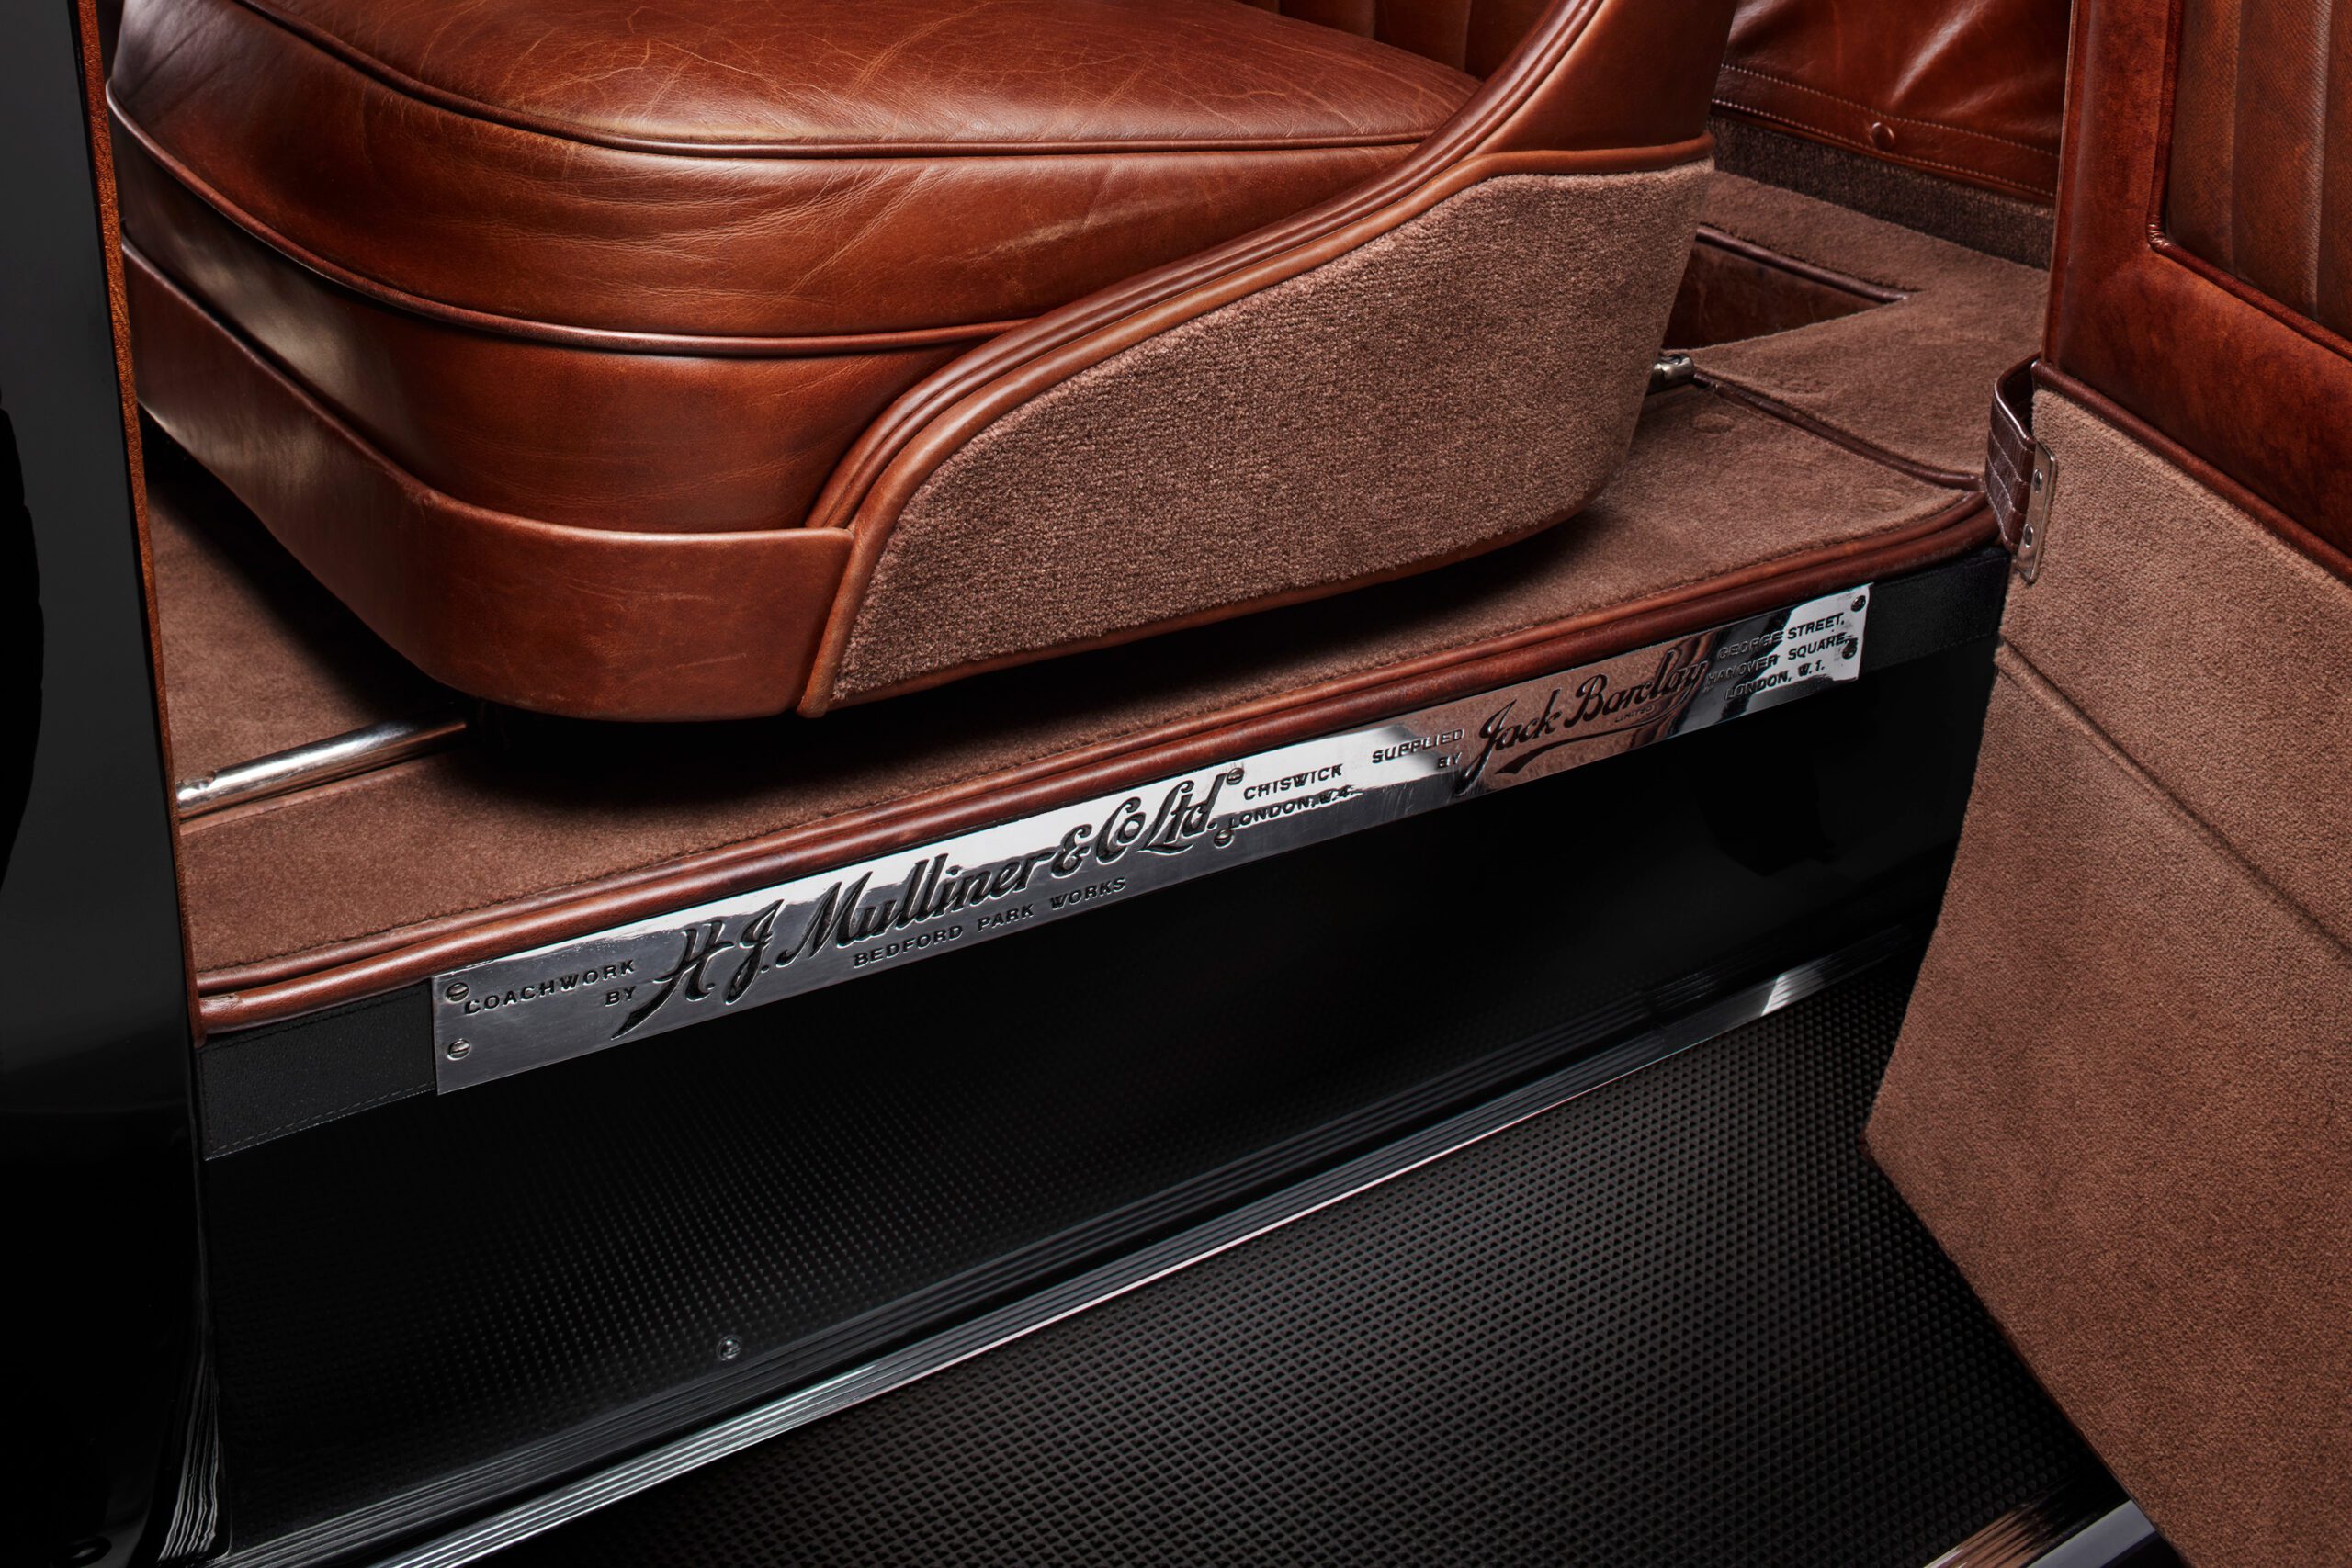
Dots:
{"x": 454, "y": 1300}
{"x": 1680, "y": 1320}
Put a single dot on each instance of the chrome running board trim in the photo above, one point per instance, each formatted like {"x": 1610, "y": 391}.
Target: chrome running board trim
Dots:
{"x": 1111, "y": 1281}
{"x": 2108, "y": 1540}
{"x": 2082, "y": 1525}
{"x": 645, "y": 976}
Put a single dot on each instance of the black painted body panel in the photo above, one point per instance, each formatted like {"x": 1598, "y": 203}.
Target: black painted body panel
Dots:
{"x": 95, "y": 1142}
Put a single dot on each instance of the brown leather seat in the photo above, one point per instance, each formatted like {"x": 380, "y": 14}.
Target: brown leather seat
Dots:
{"x": 751, "y": 225}
{"x": 535, "y": 329}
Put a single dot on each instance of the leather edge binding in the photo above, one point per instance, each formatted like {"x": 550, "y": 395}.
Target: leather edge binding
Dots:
{"x": 2318, "y": 550}
{"x": 605, "y": 340}
{"x": 458, "y": 104}
{"x": 241, "y": 996}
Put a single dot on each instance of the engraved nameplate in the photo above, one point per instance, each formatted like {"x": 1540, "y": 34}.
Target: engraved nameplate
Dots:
{"x": 642, "y": 979}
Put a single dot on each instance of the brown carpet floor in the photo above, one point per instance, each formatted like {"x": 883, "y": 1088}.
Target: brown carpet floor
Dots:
{"x": 254, "y": 662}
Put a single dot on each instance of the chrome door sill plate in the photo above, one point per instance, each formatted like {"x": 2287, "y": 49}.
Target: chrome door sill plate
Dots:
{"x": 1108, "y": 1281}
{"x": 641, "y": 979}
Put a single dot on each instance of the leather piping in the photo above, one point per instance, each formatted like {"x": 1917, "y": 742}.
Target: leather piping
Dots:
{"x": 916, "y": 433}
{"x": 2290, "y": 531}
{"x": 241, "y": 996}
{"x": 778, "y": 578}
{"x": 542, "y": 125}
{"x": 1945, "y": 479}
{"x": 1796, "y": 266}
{"x": 425, "y": 494}
{"x": 606, "y": 340}
{"x": 1486, "y": 115}
{"x": 878, "y": 513}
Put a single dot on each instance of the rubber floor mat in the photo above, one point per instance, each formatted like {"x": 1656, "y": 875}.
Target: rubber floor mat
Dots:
{"x": 1678, "y": 1320}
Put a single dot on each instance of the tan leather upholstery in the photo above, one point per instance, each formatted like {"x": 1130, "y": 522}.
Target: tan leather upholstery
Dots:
{"x": 1965, "y": 89}
{"x": 2262, "y": 150}
{"x": 729, "y": 170}
{"x": 1475, "y": 36}
{"x": 545, "y": 271}
{"x": 754, "y": 202}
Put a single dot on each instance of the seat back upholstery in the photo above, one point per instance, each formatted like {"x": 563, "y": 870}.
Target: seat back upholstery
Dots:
{"x": 1474, "y": 36}
{"x": 1967, "y": 90}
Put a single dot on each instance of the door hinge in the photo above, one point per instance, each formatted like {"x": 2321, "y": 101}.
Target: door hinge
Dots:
{"x": 2033, "y": 537}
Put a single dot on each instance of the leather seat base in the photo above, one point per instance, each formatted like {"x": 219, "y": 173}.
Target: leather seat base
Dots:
{"x": 537, "y": 366}
{"x": 517, "y": 261}
{"x": 1495, "y": 315}
{"x": 650, "y": 625}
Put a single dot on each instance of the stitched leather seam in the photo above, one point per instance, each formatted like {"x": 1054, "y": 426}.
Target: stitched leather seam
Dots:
{"x": 342, "y": 51}
{"x": 1899, "y": 120}
{"x": 2000, "y": 465}
{"x": 2015, "y": 187}
{"x": 1860, "y": 145}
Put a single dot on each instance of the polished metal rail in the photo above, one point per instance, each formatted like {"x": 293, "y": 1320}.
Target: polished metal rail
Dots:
{"x": 600, "y": 1488}
{"x": 318, "y": 763}
{"x": 2091, "y": 1525}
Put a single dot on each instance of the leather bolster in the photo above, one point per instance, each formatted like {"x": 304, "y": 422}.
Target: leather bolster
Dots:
{"x": 2009, "y": 452}
{"x": 588, "y": 622}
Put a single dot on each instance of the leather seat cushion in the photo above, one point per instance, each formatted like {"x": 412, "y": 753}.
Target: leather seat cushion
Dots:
{"x": 736, "y": 169}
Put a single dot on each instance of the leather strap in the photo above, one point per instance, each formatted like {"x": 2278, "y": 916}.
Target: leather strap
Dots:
{"x": 2009, "y": 453}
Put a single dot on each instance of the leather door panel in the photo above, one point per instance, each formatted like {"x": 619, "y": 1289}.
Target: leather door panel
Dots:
{"x": 2147, "y": 314}
{"x": 2260, "y": 160}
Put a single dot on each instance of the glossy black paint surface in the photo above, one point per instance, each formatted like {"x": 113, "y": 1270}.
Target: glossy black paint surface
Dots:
{"x": 101, "y": 1243}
